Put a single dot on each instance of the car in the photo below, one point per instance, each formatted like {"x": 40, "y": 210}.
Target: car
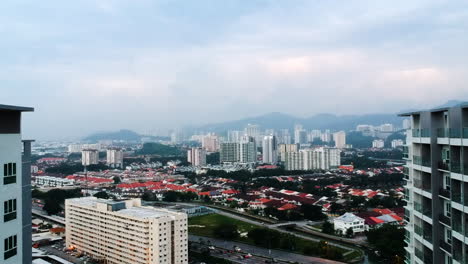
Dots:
{"x": 211, "y": 247}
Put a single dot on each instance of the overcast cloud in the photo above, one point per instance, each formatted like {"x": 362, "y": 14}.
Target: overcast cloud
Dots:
{"x": 94, "y": 65}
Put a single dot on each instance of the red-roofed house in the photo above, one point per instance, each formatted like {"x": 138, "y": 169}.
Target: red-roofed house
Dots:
{"x": 287, "y": 207}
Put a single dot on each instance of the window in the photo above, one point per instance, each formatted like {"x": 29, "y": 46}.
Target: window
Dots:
{"x": 447, "y": 182}
{"x": 9, "y": 210}
{"x": 448, "y": 236}
{"x": 10, "y": 245}
{"x": 9, "y": 173}
{"x": 448, "y": 209}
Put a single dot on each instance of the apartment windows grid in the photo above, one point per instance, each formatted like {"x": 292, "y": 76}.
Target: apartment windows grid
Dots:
{"x": 9, "y": 173}
{"x": 10, "y": 247}
{"x": 9, "y": 210}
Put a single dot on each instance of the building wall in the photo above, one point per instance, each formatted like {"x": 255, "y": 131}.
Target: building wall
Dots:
{"x": 10, "y": 151}
{"x": 127, "y": 239}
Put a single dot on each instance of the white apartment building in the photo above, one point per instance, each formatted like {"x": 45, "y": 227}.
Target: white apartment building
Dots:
{"x": 235, "y": 135}
{"x": 366, "y": 130}
{"x": 124, "y": 232}
{"x": 89, "y": 157}
{"x": 270, "y": 150}
{"x": 386, "y": 128}
{"x": 49, "y": 181}
{"x": 378, "y": 143}
{"x": 115, "y": 157}
{"x": 210, "y": 143}
{"x": 15, "y": 188}
{"x": 312, "y": 159}
{"x": 196, "y": 156}
{"x": 397, "y": 143}
{"x": 340, "y": 139}
{"x": 300, "y": 136}
{"x": 283, "y": 148}
{"x": 349, "y": 220}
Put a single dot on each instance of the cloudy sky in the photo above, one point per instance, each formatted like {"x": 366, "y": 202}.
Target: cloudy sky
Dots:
{"x": 93, "y": 65}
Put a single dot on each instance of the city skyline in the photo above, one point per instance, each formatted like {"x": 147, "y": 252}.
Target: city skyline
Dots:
{"x": 101, "y": 65}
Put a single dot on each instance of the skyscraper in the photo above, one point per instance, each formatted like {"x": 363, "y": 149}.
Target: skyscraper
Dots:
{"x": 89, "y": 157}
{"x": 270, "y": 150}
{"x": 115, "y": 157}
{"x": 247, "y": 150}
{"x": 210, "y": 143}
{"x": 196, "y": 156}
{"x": 436, "y": 189}
{"x": 284, "y": 148}
{"x": 15, "y": 188}
{"x": 340, "y": 139}
{"x": 229, "y": 152}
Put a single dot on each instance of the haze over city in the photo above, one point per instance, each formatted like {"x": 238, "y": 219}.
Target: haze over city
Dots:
{"x": 90, "y": 66}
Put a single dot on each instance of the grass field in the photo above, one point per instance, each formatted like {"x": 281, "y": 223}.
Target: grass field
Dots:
{"x": 206, "y": 224}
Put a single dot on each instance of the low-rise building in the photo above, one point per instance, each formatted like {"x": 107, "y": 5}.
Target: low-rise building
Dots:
{"x": 49, "y": 181}
{"x": 349, "y": 220}
{"x": 118, "y": 232}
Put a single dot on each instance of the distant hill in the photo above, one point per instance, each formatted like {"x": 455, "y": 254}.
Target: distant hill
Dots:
{"x": 126, "y": 135}
{"x": 159, "y": 149}
{"x": 321, "y": 121}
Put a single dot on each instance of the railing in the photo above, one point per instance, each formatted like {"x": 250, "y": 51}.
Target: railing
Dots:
{"x": 427, "y": 235}
{"x": 418, "y": 230}
{"x": 455, "y": 167}
{"x": 457, "y": 226}
{"x": 419, "y": 253}
{"x": 416, "y": 132}
{"x": 418, "y": 207}
{"x": 457, "y": 197}
{"x": 445, "y": 219}
{"x": 455, "y": 133}
{"x": 442, "y": 132}
{"x": 406, "y": 170}
{"x": 417, "y": 160}
{"x": 465, "y": 132}
{"x": 444, "y": 165}
{"x": 417, "y": 183}
{"x": 458, "y": 256}
{"x": 444, "y": 193}
{"x": 427, "y": 211}
{"x": 445, "y": 246}
{"x": 421, "y": 132}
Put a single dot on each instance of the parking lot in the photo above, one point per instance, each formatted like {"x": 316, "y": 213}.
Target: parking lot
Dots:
{"x": 57, "y": 250}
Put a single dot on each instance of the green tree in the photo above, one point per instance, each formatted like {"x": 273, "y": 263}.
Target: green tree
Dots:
{"x": 149, "y": 196}
{"x": 328, "y": 228}
{"x": 102, "y": 195}
{"x": 349, "y": 233}
{"x": 117, "y": 180}
{"x": 226, "y": 231}
{"x": 52, "y": 207}
{"x": 312, "y": 212}
{"x": 170, "y": 196}
{"x": 388, "y": 240}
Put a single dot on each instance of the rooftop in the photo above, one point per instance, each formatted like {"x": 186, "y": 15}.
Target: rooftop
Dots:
{"x": 15, "y": 108}
{"x": 444, "y": 107}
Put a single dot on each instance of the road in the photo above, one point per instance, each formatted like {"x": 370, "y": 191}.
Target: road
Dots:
{"x": 277, "y": 228}
{"x": 281, "y": 256}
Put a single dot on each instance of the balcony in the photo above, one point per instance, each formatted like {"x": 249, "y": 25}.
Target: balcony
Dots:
{"x": 465, "y": 132}
{"x": 418, "y": 207}
{"x": 444, "y": 193}
{"x": 444, "y": 166}
{"x": 418, "y": 160}
{"x": 445, "y": 220}
{"x": 418, "y": 230}
{"x": 451, "y": 166}
{"x": 457, "y": 226}
{"x": 421, "y": 132}
{"x": 445, "y": 246}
